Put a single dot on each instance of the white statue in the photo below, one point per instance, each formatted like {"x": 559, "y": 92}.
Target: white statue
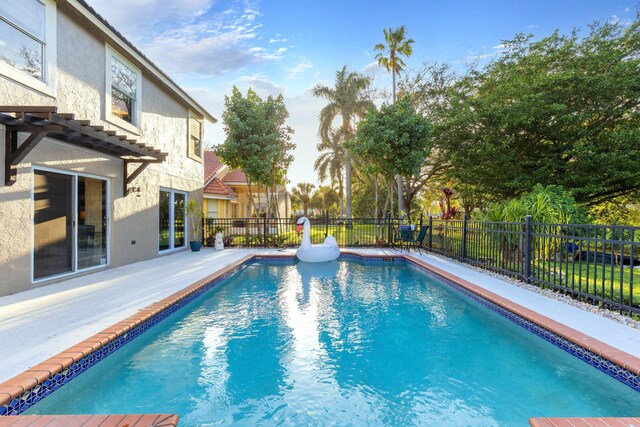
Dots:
{"x": 219, "y": 243}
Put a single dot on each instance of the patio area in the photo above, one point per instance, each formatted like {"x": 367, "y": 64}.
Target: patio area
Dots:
{"x": 42, "y": 322}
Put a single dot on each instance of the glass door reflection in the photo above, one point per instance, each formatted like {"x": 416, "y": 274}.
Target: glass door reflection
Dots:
{"x": 92, "y": 222}
{"x": 52, "y": 224}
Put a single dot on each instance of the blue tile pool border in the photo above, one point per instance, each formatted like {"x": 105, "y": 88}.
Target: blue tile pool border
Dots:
{"x": 31, "y": 396}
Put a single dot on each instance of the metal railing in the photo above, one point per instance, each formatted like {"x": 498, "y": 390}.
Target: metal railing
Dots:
{"x": 599, "y": 264}
{"x": 594, "y": 263}
{"x": 281, "y": 232}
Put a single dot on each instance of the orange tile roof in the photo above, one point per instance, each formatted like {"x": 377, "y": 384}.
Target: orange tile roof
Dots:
{"x": 236, "y": 175}
{"x": 212, "y": 164}
{"x": 219, "y": 188}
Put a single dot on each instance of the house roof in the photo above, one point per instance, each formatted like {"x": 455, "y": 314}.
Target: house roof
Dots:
{"x": 219, "y": 188}
{"x": 95, "y": 18}
{"x": 236, "y": 176}
{"x": 212, "y": 165}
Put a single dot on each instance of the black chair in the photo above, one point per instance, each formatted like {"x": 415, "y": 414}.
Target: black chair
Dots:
{"x": 406, "y": 238}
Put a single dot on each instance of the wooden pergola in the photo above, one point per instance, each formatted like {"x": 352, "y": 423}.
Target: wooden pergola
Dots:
{"x": 42, "y": 121}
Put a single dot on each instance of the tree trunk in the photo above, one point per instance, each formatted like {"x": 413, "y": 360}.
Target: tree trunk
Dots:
{"x": 408, "y": 197}
{"x": 401, "y": 206}
{"x": 393, "y": 76}
{"x": 347, "y": 175}
{"x": 398, "y": 177}
{"x": 375, "y": 207}
{"x": 341, "y": 191}
{"x": 391, "y": 197}
{"x": 252, "y": 203}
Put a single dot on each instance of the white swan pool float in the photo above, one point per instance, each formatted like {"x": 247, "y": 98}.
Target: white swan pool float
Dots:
{"x": 327, "y": 251}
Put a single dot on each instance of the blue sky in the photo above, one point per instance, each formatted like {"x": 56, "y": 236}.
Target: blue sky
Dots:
{"x": 288, "y": 46}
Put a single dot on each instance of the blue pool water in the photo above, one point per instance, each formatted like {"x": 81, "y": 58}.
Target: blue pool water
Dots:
{"x": 341, "y": 344}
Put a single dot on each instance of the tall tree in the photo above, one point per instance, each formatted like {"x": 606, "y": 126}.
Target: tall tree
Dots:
{"x": 330, "y": 164}
{"x": 324, "y": 198}
{"x": 395, "y": 140}
{"x": 303, "y": 192}
{"x": 562, "y": 110}
{"x": 390, "y": 57}
{"x": 348, "y": 102}
{"x": 258, "y": 140}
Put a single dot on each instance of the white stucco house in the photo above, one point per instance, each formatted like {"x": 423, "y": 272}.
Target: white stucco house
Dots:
{"x": 102, "y": 150}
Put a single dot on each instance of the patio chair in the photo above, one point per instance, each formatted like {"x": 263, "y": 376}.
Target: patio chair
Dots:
{"x": 407, "y": 238}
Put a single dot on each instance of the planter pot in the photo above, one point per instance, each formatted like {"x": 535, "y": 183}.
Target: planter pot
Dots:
{"x": 195, "y": 246}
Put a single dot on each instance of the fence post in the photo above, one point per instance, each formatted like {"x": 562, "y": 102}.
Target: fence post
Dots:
{"x": 204, "y": 223}
{"x": 264, "y": 229}
{"x": 389, "y": 227}
{"x": 420, "y": 221}
{"x": 326, "y": 223}
{"x": 464, "y": 237}
{"x": 528, "y": 241}
{"x": 430, "y": 232}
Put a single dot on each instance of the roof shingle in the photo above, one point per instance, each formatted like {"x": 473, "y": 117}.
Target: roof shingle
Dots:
{"x": 219, "y": 188}
{"x": 236, "y": 175}
{"x": 212, "y": 164}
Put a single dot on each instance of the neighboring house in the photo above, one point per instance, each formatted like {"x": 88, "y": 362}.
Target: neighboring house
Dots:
{"x": 102, "y": 149}
{"x": 226, "y": 192}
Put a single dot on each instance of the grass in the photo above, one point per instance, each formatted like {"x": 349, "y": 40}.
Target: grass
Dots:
{"x": 593, "y": 278}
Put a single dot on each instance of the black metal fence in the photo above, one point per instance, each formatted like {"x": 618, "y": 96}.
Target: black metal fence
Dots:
{"x": 281, "y": 232}
{"x": 594, "y": 263}
{"x": 599, "y": 264}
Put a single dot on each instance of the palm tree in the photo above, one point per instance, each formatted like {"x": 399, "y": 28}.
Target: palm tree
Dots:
{"x": 389, "y": 57}
{"x": 303, "y": 192}
{"x": 330, "y": 164}
{"x": 347, "y": 101}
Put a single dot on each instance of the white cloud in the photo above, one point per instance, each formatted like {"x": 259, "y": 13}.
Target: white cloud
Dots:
{"x": 625, "y": 22}
{"x": 627, "y": 10}
{"x": 271, "y": 41}
{"x": 125, "y": 15}
{"x": 373, "y": 69}
{"x": 192, "y": 36}
{"x": 260, "y": 84}
{"x": 300, "y": 68}
{"x": 480, "y": 57}
{"x": 532, "y": 26}
{"x": 500, "y": 46}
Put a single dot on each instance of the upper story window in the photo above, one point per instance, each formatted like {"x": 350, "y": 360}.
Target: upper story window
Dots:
{"x": 27, "y": 42}
{"x": 196, "y": 126}
{"x": 123, "y": 90}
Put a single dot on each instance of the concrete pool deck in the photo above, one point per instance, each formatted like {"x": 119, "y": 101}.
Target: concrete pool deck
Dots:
{"x": 40, "y": 323}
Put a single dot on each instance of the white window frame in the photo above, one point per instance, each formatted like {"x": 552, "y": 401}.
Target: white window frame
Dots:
{"x": 74, "y": 219}
{"x": 134, "y": 126}
{"x": 190, "y": 147}
{"x": 48, "y": 84}
{"x": 172, "y": 246}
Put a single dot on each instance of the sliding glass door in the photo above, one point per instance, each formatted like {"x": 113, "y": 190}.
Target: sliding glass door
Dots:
{"x": 92, "y": 222}
{"x": 52, "y": 224}
{"x": 70, "y": 223}
{"x": 172, "y": 224}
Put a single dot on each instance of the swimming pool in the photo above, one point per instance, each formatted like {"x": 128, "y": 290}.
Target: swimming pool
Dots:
{"x": 345, "y": 343}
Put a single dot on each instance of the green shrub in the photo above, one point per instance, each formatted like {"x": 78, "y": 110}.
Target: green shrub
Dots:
{"x": 550, "y": 204}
